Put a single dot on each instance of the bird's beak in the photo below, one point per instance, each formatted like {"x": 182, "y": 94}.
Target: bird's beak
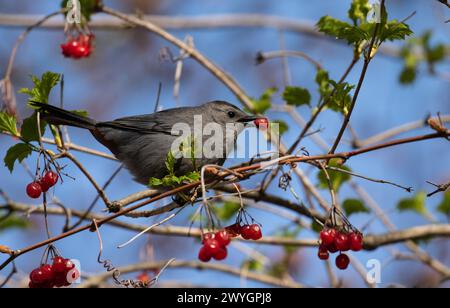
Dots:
{"x": 248, "y": 119}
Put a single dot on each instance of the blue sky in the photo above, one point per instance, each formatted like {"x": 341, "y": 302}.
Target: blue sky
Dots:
{"x": 122, "y": 77}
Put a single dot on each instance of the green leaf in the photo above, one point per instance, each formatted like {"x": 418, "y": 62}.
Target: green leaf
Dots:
{"x": 316, "y": 227}
{"x": 8, "y": 124}
{"x": 354, "y": 206}
{"x": 14, "y": 222}
{"x": 42, "y": 87}
{"x": 227, "y": 211}
{"x": 296, "y": 96}
{"x": 17, "y": 152}
{"x": 253, "y": 265}
{"x": 279, "y": 269}
{"x": 359, "y": 10}
{"x": 337, "y": 178}
{"x": 283, "y": 127}
{"x": 264, "y": 102}
{"x": 341, "y": 99}
{"x": 408, "y": 75}
{"x": 154, "y": 182}
{"x": 170, "y": 163}
{"x": 444, "y": 206}
{"x": 415, "y": 204}
{"x": 323, "y": 81}
{"x": 394, "y": 30}
{"x": 342, "y": 30}
{"x": 29, "y": 130}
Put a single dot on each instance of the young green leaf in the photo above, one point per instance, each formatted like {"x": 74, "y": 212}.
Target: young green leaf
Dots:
{"x": 227, "y": 211}
{"x": 29, "y": 130}
{"x": 296, "y": 96}
{"x": 358, "y": 11}
{"x": 354, "y": 206}
{"x": 408, "y": 75}
{"x": 415, "y": 204}
{"x": 42, "y": 87}
{"x": 341, "y": 99}
{"x": 264, "y": 102}
{"x": 283, "y": 127}
{"x": 14, "y": 222}
{"x": 342, "y": 30}
{"x": 170, "y": 163}
{"x": 337, "y": 178}
{"x": 18, "y": 152}
{"x": 394, "y": 30}
{"x": 8, "y": 124}
{"x": 253, "y": 265}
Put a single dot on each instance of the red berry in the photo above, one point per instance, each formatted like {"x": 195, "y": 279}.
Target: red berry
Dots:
{"x": 60, "y": 280}
{"x": 69, "y": 265}
{"x": 208, "y": 236}
{"x": 233, "y": 230}
{"x": 342, "y": 242}
{"x": 246, "y": 232}
{"x": 34, "y": 190}
{"x": 261, "y": 123}
{"x": 332, "y": 248}
{"x": 37, "y": 276}
{"x": 59, "y": 264}
{"x": 256, "y": 232}
{"x": 143, "y": 277}
{"x": 212, "y": 246}
{"x": 223, "y": 238}
{"x": 50, "y": 178}
{"x": 221, "y": 254}
{"x": 323, "y": 253}
{"x": 342, "y": 261}
{"x": 327, "y": 236}
{"x": 204, "y": 254}
{"x": 356, "y": 241}
{"x": 47, "y": 272}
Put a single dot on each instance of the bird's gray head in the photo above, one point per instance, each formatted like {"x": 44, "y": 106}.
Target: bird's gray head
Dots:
{"x": 225, "y": 113}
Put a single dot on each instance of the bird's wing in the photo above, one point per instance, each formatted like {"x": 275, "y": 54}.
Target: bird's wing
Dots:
{"x": 144, "y": 124}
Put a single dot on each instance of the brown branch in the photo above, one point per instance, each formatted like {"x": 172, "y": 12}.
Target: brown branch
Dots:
{"x": 371, "y": 242}
{"x": 396, "y": 131}
{"x": 211, "y": 21}
{"x": 440, "y": 188}
{"x": 192, "y": 52}
{"x": 267, "y": 55}
{"x": 264, "y": 278}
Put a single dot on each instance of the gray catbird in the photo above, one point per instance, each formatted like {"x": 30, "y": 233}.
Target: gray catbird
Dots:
{"x": 143, "y": 142}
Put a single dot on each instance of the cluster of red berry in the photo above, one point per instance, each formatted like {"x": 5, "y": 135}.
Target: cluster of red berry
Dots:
{"x": 215, "y": 244}
{"x": 36, "y": 188}
{"x": 332, "y": 241}
{"x": 62, "y": 273}
{"x": 249, "y": 232}
{"x": 78, "y": 47}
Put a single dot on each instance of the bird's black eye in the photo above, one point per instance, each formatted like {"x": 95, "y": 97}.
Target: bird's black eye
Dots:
{"x": 231, "y": 114}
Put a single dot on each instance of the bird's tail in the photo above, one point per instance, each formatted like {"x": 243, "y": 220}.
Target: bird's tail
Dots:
{"x": 58, "y": 116}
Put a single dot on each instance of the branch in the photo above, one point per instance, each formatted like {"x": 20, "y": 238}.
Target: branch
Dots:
{"x": 212, "y": 21}
{"x": 371, "y": 242}
{"x": 397, "y": 131}
{"x": 264, "y": 278}
{"x": 200, "y": 58}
